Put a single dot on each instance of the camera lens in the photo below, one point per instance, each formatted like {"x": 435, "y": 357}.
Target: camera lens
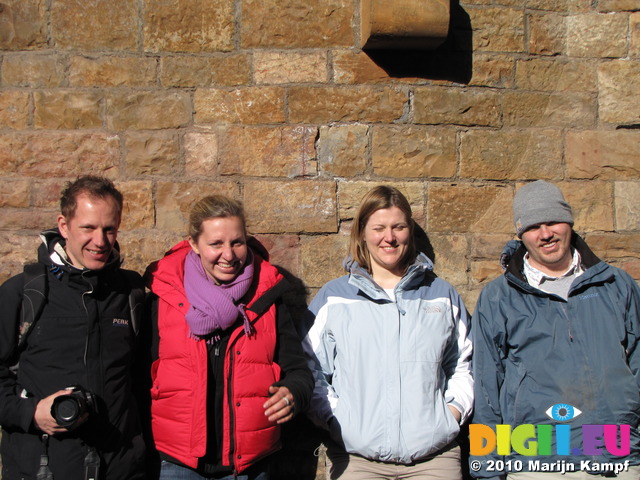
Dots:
{"x": 65, "y": 409}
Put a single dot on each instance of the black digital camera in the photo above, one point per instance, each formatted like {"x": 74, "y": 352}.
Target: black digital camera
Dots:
{"x": 69, "y": 408}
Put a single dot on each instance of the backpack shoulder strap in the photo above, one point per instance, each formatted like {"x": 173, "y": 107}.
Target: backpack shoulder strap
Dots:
{"x": 136, "y": 298}
{"x": 34, "y": 297}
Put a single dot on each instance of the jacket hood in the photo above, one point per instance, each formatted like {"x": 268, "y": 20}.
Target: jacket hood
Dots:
{"x": 52, "y": 251}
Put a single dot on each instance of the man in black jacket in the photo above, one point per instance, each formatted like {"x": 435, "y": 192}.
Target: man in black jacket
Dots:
{"x": 85, "y": 336}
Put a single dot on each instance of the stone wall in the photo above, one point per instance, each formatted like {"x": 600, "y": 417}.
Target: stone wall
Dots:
{"x": 272, "y": 102}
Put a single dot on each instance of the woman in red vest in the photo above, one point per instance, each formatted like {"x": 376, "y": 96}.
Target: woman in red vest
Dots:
{"x": 229, "y": 367}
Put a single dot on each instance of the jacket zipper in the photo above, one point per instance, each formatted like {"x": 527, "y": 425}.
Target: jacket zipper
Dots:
{"x": 231, "y": 412}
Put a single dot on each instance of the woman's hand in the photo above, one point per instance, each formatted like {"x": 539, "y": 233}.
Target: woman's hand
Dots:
{"x": 456, "y": 413}
{"x": 279, "y": 408}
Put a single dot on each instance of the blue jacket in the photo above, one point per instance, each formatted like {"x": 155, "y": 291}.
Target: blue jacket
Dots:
{"x": 386, "y": 370}
{"x": 534, "y": 350}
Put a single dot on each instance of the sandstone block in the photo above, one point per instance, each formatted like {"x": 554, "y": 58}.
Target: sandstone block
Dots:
{"x": 547, "y": 34}
{"x": 14, "y": 113}
{"x": 23, "y": 25}
{"x": 634, "y": 27}
{"x": 67, "y": 109}
{"x": 189, "y": 71}
{"x": 140, "y": 248}
{"x": 45, "y": 193}
{"x": 150, "y": 110}
{"x": 15, "y": 193}
{"x": 354, "y": 67}
{"x": 497, "y": 29}
{"x": 561, "y": 6}
{"x": 462, "y": 208}
{"x": 414, "y": 151}
{"x": 321, "y": 258}
{"x": 342, "y": 150}
{"x": 289, "y": 67}
{"x": 627, "y": 205}
{"x": 175, "y": 199}
{"x": 46, "y": 155}
{"x": 618, "y": 5}
{"x": 32, "y": 70}
{"x": 619, "y": 101}
{"x": 297, "y": 23}
{"x": 469, "y": 297}
{"x": 592, "y": 204}
{"x": 551, "y": 75}
{"x": 189, "y": 25}
{"x": 267, "y": 151}
{"x": 631, "y": 266}
{"x": 484, "y": 271}
{"x": 451, "y": 257}
{"x": 346, "y": 104}
{"x": 19, "y": 248}
{"x": 491, "y": 70}
{"x": 525, "y": 109}
{"x": 284, "y": 251}
{"x": 251, "y": 105}
{"x": 350, "y": 195}
{"x": 291, "y": 206}
{"x": 152, "y": 153}
{"x": 456, "y": 106}
{"x": 21, "y": 219}
{"x": 95, "y": 24}
{"x": 137, "y": 211}
{"x": 610, "y": 246}
{"x": 112, "y": 71}
{"x": 597, "y": 35}
{"x": 511, "y": 154}
{"x": 490, "y": 246}
{"x": 605, "y": 155}
{"x": 201, "y": 154}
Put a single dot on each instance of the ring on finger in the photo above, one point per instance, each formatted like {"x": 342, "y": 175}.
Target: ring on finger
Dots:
{"x": 287, "y": 401}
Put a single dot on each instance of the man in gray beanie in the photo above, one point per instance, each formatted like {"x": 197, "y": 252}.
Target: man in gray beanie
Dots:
{"x": 556, "y": 344}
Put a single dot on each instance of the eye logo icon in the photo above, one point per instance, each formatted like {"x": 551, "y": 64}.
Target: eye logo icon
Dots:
{"x": 562, "y": 412}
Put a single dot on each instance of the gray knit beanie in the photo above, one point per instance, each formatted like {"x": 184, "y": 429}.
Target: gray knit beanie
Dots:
{"x": 539, "y": 202}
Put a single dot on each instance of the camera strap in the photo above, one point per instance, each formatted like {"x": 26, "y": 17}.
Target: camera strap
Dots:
{"x": 44, "y": 472}
{"x": 91, "y": 465}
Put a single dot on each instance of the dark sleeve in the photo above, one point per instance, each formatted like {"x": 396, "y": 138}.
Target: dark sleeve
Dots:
{"x": 296, "y": 375}
{"x": 15, "y": 412}
{"x": 142, "y": 386}
{"x": 489, "y": 357}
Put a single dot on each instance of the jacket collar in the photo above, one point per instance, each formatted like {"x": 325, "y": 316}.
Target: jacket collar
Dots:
{"x": 53, "y": 254}
{"x": 361, "y": 279}
{"x": 512, "y": 260}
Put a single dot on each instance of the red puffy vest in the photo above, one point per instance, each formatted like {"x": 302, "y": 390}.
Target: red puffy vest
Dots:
{"x": 179, "y": 389}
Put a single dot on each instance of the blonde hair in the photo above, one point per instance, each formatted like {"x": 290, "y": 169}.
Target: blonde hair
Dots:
{"x": 378, "y": 198}
{"x": 214, "y": 206}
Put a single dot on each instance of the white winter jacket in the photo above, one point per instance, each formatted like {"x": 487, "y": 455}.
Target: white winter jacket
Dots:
{"x": 386, "y": 370}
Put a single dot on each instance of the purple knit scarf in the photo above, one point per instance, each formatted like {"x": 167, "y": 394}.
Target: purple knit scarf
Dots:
{"x": 214, "y": 307}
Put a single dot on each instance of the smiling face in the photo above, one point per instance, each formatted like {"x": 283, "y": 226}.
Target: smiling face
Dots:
{"x": 549, "y": 247}
{"x": 222, "y": 247}
{"x": 386, "y": 236}
{"x": 91, "y": 232}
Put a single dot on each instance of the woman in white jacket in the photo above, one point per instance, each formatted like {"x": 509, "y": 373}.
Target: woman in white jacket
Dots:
{"x": 391, "y": 355}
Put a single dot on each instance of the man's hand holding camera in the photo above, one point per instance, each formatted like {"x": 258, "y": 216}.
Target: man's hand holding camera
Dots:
{"x": 56, "y": 415}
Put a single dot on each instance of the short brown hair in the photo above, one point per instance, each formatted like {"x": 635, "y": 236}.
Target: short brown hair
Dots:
{"x": 214, "y": 206}
{"x": 378, "y": 198}
{"x": 93, "y": 186}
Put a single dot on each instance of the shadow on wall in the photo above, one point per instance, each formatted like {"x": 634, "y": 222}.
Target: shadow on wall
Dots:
{"x": 451, "y": 61}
